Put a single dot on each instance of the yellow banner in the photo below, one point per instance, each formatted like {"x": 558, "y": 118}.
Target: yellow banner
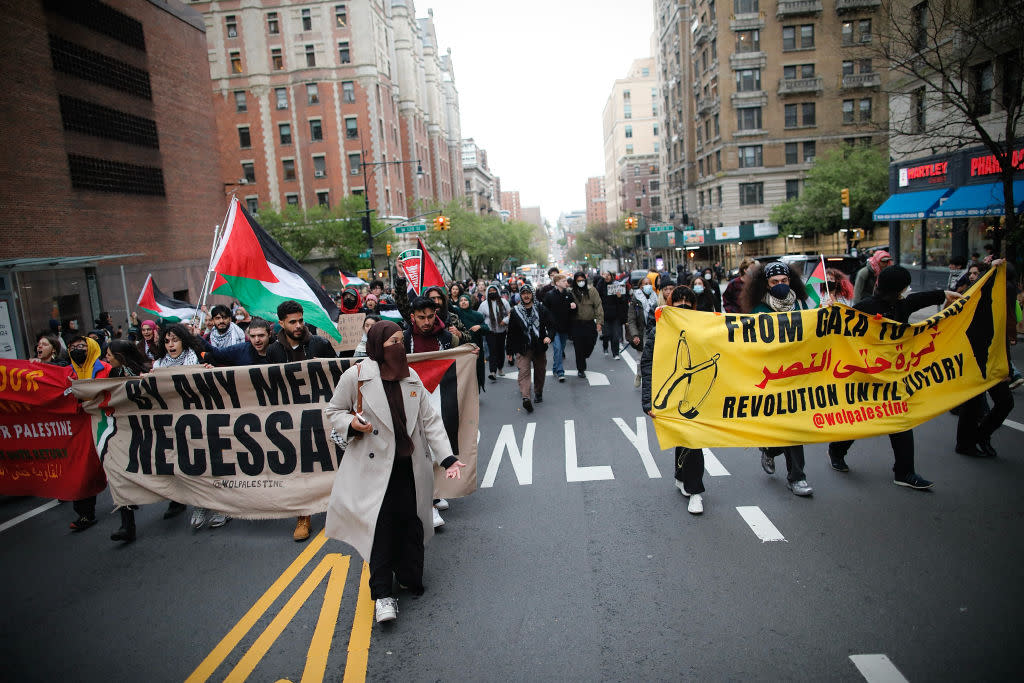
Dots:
{"x": 826, "y": 374}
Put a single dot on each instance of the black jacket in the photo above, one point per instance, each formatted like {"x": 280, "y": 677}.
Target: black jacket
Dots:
{"x": 559, "y": 313}
{"x": 900, "y": 309}
{"x": 313, "y": 347}
{"x": 615, "y": 308}
{"x": 646, "y": 362}
{"x": 516, "y": 340}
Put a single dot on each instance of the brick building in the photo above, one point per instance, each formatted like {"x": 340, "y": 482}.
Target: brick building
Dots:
{"x": 304, "y": 92}
{"x": 596, "y": 201}
{"x": 108, "y": 138}
{"x": 510, "y": 203}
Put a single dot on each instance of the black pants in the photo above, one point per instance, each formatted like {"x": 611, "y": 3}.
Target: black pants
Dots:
{"x": 398, "y": 538}
{"x": 902, "y": 451}
{"x": 496, "y": 349}
{"x": 971, "y": 427}
{"x": 794, "y": 461}
{"x": 584, "y": 337}
{"x": 611, "y": 334}
{"x": 86, "y": 507}
{"x": 690, "y": 468}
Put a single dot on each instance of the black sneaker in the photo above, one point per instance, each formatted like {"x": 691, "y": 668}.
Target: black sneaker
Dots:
{"x": 174, "y": 509}
{"x": 492, "y": 377}
{"x": 985, "y": 446}
{"x": 582, "y": 374}
{"x": 913, "y": 481}
{"x": 539, "y": 398}
{"x": 561, "y": 378}
{"x": 82, "y": 523}
{"x": 839, "y": 463}
{"x": 973, "y": 451}
{"x": 527, "y": 405}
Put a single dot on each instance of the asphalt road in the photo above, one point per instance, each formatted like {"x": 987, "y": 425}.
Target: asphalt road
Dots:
{"x": 583, "y": 566}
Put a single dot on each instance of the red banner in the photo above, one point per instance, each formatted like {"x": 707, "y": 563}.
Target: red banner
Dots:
{"x": 46, "y": 444}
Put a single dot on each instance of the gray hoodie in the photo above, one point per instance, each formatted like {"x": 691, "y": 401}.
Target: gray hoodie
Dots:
{"x": 499, "y": 322}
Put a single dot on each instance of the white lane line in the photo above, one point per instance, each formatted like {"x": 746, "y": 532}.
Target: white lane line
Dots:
{"x": 877, "y": 669}
{"x": 628, "y": 357}
{"x": 639, "y": 441}
{"x": 596, "y": 379}
{"x": 760, "y": 524}
{"x": 713, "y": 465}
{"x": 1016, "y": 425}
{"x": 573, "y": 470}
{"x": 28, "y": 515}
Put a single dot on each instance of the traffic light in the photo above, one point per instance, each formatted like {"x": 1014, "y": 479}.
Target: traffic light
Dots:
{"x": 387, "y": 249}
{"x": 630, "y": 223}
{"x": 442, "y": 223}
{"x": 844, "y": 195}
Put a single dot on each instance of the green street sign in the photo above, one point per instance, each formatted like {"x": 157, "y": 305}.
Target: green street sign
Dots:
{"x": 661, "y": 228}
{"x": 411, "y": 228}
{"x": 365, "y": 254}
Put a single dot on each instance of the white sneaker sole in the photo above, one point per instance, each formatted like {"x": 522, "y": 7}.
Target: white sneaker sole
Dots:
{"x": 441, "y": 505}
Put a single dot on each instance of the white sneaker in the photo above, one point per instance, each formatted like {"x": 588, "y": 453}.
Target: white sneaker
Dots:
{"x": 218, "y": 519}
{"x": 438, "y": 522}
{"x": 679, "y": 485}
{"x": 636, "y": 380}
{"x": 696, "y": 505}
{"x": 385, "y": 609}
{"x": 199, "y": 518}
{"x": 441, "y": 504}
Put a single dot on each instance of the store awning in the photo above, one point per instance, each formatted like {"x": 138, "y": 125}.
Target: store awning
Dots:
{"x": 980, "y": 200}
{"x": 909, "y": 205}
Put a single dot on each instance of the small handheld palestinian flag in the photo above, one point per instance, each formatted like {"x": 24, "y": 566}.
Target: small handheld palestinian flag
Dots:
{"x": 155, "y": 302}
{"x": 814, "y": 281}
{"x": 347, "y": 280}
{"x": 253, "y": 268}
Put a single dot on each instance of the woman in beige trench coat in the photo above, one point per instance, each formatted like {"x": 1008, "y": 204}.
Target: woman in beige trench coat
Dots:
{"x": 383, "y": 491}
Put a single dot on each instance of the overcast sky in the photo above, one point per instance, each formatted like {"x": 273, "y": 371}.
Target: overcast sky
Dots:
{"x": 533, "y": 77}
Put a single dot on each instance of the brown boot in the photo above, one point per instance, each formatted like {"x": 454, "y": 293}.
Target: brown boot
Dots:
{"x": 301, "y": 529}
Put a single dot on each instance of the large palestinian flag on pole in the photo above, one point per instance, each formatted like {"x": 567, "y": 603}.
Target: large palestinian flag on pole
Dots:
{"x": 252, "y": 267}
{"x": 153, "y": 301}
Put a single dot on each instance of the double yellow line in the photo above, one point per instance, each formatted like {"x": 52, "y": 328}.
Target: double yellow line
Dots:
{"x": 335, "y": 567}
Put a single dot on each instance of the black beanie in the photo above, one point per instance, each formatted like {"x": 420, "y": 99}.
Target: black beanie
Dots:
{"x": 893, "y": 280}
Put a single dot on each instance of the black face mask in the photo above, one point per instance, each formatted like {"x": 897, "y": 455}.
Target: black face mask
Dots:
{"x": 780, "y": 291}
{"x": 493, "y": 296}
{"x": 78, "y": 355}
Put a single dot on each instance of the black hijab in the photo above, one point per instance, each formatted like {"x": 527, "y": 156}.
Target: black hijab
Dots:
{"x": 393, "y": 367}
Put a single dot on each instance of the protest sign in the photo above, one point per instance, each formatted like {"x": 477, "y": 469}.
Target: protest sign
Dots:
{"x": 350, "y": 327}
{"x": 820, "y": 375}
{"x": 46, "y": 447}
{"x": 252, "y": 442}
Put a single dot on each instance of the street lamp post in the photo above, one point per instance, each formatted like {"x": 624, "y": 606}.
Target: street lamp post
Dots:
{"x": 367, "y": 225}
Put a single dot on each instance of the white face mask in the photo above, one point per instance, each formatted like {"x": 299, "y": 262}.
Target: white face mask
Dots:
{"x": 698, "y": 289}
{"x": 239, "y": 317}
{"x": 648, "y": 289}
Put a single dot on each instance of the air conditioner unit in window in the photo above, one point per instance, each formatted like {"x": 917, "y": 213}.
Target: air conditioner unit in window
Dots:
{"x": 319, "y": 174}
{"x": 355, "y": 171}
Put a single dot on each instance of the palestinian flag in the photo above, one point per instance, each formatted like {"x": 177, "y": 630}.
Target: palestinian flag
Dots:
{"x": 252, "y": 267}
{"x": 347, "y": 280}
{"x": 155, "y": 302}
{"x": 814, "y": 281}
{"x": 419, "y": 269}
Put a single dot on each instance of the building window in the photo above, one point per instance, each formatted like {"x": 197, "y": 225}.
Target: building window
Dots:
{"x": 751, "y": 156}
{"x": 700, "y": 198}
{"x": 249, "y": 171}
{"x": 718, "y": 196}
{"x": 638, "y": 202}
{"x": 629, "y": 131}
{"x": 323, "y": 198}
{"x": 236, "y": 62}
{"x": 808, "y": 114}
{"x": 316, "y": 130}
{"x": 654, "y": 132}
{"x": 291, "y": 199}
{"x": 809, "y": 151}
{"x": 700, "y": 166}
{"x": 288, "y": 165}
{"x": 751, "y": 194}
{"x": 847, "y": 111}
{"x": 351, "y": 128}
{"x": 355, "y": 164}
{"x": 846, "y": 33}
{"x": 231, "y": 26}
{"x": 748, "y": 118}
{"x": 865, "y": 109}
{"x": 864, "y": 31}
{"x": 340, "y": 16}
{"x": 253, "y": 204}
{"x": 919, "y": 30}
{"x": 244, "y": 139}
{"x": 272, "y": 26}
{"x": 718, "y": 160}
{"x": 281, "y": 98}
{"x": 348, "y": 92}
{"x": 790, "y": 116}
{"x": 310, "y": 56}
{"x": 798, "y": 71}
{"x": 718, "y": 130}
{"x": 798, "y": 37}
{"x": 655, "y": 185}
{"x": 344, "y": 56}
{"x": 240, "y": 103}
{"x": 866, "y": 66}
{"x": 627, "y": 111}
{"x": 792, "y": 189}
{"x": 307, "y": 20}
{"x": 748, "y": 80}
{"x": 276, "y": 59}
{"x": 626, "y": 96}
{"x": 982, "y": 85}
{"x": 284, "y": 130}
{"x": 748, "y": 41}
{"x": 629, "y": 149}
{"x": 791, "y": 152}
{"x": 744, "y": 6}
{"x": 917, "y": 102}
{"x": 848, "y": 68}
{"x": 320, "y": 166}
{"x": 312, "y": 93}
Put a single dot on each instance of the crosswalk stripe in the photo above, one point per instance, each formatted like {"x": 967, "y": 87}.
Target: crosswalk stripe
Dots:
{"x": 1016, "y": 425}
{"x": 759, "y": 523}
{"x": 628, "y": 357}
{"x": 877, "y": 669}
{"x": 713, "y": 465}
{"x": 28, "y": 515}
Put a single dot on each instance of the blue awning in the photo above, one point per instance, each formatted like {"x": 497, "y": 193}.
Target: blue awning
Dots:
{"x": 909, "y": 205}
{"x": 980, "y": 200}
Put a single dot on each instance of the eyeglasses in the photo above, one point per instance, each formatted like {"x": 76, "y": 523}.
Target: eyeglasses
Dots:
{"x": 79, "y": 346}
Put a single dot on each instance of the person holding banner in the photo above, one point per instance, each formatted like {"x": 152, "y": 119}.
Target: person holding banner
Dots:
{"x": 777, "y": 288}
{"x": 381, "y": 500}
{"x": 689, "y": 461}
{"x": 85, "y": 364}
{"x": 891, "y": 300}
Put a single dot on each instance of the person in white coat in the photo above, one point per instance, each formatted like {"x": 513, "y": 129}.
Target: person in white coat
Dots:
{"x": 381, "y": 503}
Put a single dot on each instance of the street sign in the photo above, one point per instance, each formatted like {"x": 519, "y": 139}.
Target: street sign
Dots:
{"x": 365, "y": 254}
{"x": 661, "y": 228}
{"x": 846, "y": 213}
{"x": 411, "y": 228}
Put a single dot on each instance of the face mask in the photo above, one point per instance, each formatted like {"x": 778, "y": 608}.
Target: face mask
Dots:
{"x": 78, "y": 355}
{"x": 648, "y": 289}
{"x": 493, "y": 296}
{"x": 698, "y": 289}
{"x": 780, "y": 291}
{"x": 581, "y": 283}
{"x": 239, "y": 317}
{"x": 394, "y": 355}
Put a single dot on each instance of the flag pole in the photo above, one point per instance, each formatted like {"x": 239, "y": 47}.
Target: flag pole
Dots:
{"x": 825, "y": 275}
{"x": 218, "y": 232}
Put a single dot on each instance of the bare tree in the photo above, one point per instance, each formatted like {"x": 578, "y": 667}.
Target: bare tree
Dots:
{"x": 955, "y": 81}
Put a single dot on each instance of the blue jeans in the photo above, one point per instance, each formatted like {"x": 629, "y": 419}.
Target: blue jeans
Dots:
{"x": 558, "y": 342}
